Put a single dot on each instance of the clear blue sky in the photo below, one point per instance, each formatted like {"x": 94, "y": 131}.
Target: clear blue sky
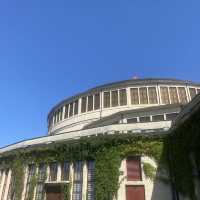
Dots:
{"x": 53, "y": 49}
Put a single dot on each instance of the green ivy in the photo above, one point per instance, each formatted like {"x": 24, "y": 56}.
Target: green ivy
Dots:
{"x": 106, "y": 150}
{"x": 149, "y": 170}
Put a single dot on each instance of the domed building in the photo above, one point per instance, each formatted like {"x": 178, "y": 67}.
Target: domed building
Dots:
{"x": 111, "y": 142}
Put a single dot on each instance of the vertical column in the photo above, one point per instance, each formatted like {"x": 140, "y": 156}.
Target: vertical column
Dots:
{"x": 59, "y": 172}
{"x": 25, "y": 182}
{"x": 71, "y": 179}
{"x": 158, "y": 95}
{"x": 7, "y": 185}
{"x": 128, "y": 96}
{"x": 2, "y": 183}
{"x": 63, "y": 114}
{"x": 36, "y": 172}
{"x": 84, "y": 186}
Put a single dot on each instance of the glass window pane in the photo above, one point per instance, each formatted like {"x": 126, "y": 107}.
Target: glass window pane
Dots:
{"x": 78, "y": 180}
{"x": 143, "y": 95}
{"x": 192, "y": 92}
{"x": 132, "y": 120}
{"x": 114, "y": 97}
{"x": 91, "y": 180}
{"x": 71, "y": 109}
{"x": 106, "y": 99}
{"x": 83, "y": 104}
{"x": 123, "y": 97}
{"x": 66, "y": 111}
{"x": 97, "y": 101}
{"x": 76, "y": 107}
{"x": 152, "y": 95}
{"x": 198, "y": 91}
{"x": 158, "y": 118}
{"x": 173, "y": 95}
{"x": 65, "y": 171}
{"x": 53, "y": 171}
{"x": 164, "y": 95}
{"x": 90, "y": 102}
{"x": 171, "y": 116}
{"x": 182, "y": 95}
{"x": 134, "y": 96}
{"x": 145, "y": 119}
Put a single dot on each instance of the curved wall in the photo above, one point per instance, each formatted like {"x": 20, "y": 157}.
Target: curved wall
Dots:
{"x": 80, "y": 110}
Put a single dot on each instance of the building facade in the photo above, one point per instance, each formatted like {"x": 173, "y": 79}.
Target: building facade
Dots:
{"x": 127, "y": 114}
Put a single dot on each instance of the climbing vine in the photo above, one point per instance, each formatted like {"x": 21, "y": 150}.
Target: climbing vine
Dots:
{"x": 106, "y": 150}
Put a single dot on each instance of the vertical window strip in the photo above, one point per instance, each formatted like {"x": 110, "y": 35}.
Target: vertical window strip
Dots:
{"x": 91, "y": 180}
{"x": 66, "y": 111}
{"x": 182, "y": 95}
{"x": 134, "y": 96}
{"x": 53, "y": 171}
{"x": 40, "y": 181}
{"x": 198, "y": 91}
{"x": 31, "y": 174}
{"x": 123, "y": 97}
{"x": 97, "y": 101}
{"x": 114, "y": 98}
{"x": 106, "y": 99}
{"x": 164, "y": 95}
{"x": 76, "y": 107}
{"x": 71, "y": 112}
{"x": 83, "y": 104}
{"x": 61, "y": 113}
{"x": 90, "y": 103}
{"x": 78, "y": 180}
{"x": 153, "y": 98}
{"x": 65, "y": 167}
{"x": 192, "y": 92}
{"x": 173, "y": 95}
{"x": 143, "y": 95}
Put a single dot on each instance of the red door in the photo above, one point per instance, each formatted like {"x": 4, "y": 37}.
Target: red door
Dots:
{"x": 135, "y": 192}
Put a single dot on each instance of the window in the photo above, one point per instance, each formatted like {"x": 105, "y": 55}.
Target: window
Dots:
{"x": 198, "y": 91}
{"x": 182, "y": 95}
{"x": 61, "y": 113}
{"x": 31, "y": 174}
{"x": 106, "y": 99}
{"x": 66, "y": 111}
{"x": 40, "y": 182}
{"x": 134, "y": 96}
{"x": 133, "y": 165}
{"x": 53, "y": 171}
{"x": 164, "y": 95}
{"x": 91, "y": 179}
{"x": 90, "y": 102}
{"x": 122, "y": 97}
{"x": 132, "y": 120}
{"x": 78, "y": 180}
{"x": 96, "y": 101}
{"x": 157, "y": 118}
{"x": 65, "y": 171}
{"x": 114, "y": 97}
{"x": 152, "y": 95}
{"x": 83, "y": 104}
{"x": 145, "y": 119}
{"x": 171, "y": 116}
{"x": 192, "y": 92}
{"x": 76, "y": 107}
{"x": 71, "y": 109}
{"x": 173, "y": 95}
{"x": 143, "y": 95}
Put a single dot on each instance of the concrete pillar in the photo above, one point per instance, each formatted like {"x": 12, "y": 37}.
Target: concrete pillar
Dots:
{"x": 7, "y": 185}
{"x": 84, "y": 186}
{"x": 25, "y": 182}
